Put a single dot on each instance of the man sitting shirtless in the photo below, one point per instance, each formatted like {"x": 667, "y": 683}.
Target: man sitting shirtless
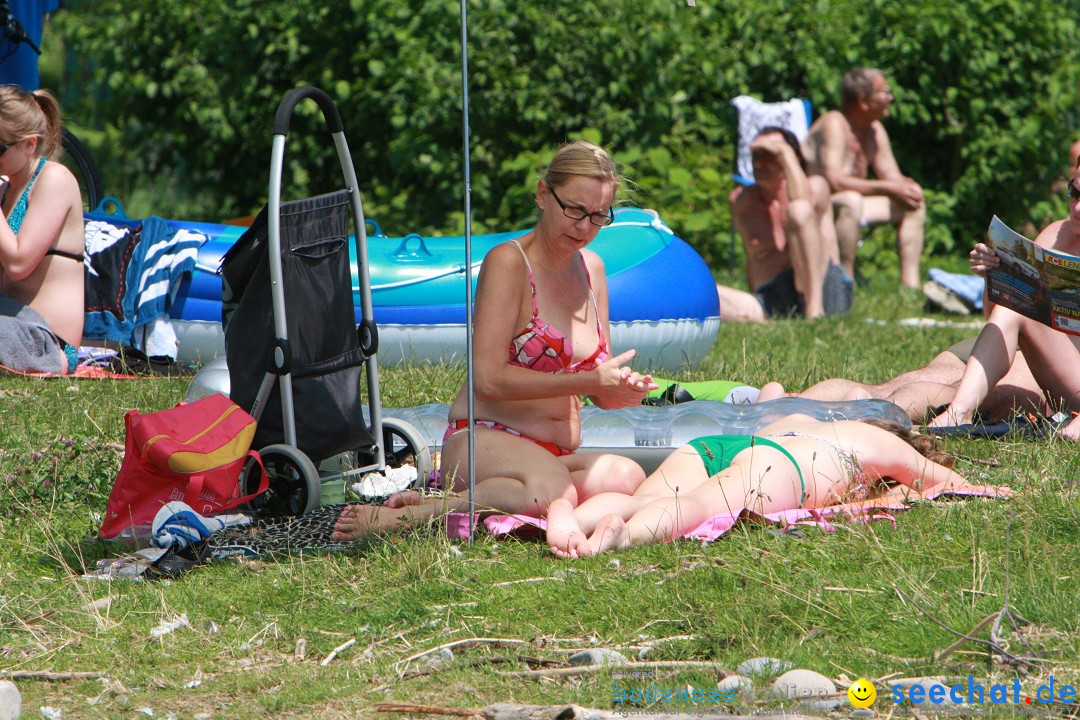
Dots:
{"x": 844, "y": 146}
{"x": 785, "y": 220}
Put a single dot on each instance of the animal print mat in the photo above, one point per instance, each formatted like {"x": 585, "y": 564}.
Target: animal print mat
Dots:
{"x": 268, "y": 536}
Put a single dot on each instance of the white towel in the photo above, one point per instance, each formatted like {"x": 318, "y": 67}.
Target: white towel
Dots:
{"x": 176, "y": 525}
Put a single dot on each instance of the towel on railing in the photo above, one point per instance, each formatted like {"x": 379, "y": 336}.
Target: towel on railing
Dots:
{"x": 130, "y": 274}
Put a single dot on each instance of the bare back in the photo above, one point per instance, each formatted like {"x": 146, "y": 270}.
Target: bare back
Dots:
{"x": 833, "y": 462}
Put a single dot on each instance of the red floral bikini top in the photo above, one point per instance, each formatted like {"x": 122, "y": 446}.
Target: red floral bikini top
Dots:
{"x": 541, "y": 347}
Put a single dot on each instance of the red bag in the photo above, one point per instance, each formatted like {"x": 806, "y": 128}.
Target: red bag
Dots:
{"x": 194, "y": 452}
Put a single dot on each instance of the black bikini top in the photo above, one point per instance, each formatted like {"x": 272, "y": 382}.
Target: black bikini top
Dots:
{"x": 77, "y": 257}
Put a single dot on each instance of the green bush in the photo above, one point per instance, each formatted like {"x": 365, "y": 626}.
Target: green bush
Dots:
{"x": 182, "y": 96}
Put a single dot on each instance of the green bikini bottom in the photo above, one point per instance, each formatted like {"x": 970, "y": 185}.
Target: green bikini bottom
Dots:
{"x": 717, "y": 451}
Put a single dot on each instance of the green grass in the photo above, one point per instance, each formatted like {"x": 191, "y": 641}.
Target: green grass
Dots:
{"x": 830, "y": 602}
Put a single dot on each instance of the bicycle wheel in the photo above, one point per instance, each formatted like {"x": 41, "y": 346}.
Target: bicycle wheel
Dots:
{"x": 81, "y": 163}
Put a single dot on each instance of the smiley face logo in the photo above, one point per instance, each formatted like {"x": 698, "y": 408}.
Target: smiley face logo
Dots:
{"x": 861, "y": 693}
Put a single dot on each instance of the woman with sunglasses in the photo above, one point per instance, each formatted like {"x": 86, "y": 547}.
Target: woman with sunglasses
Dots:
{"x": 541, "y": 342}
{"x": 1053, "y": 356}
{"x": 41, "y": 239}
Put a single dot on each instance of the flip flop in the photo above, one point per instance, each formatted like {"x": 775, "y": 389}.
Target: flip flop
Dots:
{"x": 1027, "y": 426}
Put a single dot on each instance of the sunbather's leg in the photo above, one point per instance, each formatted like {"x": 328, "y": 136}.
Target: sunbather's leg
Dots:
{"x": 989, "y": 362}
{"x": 744, "y": 485}
{"x": 919, "y": 399}
{"x": 514, "y": 491}
{"x": 946, "y": 368}
{"x": 1054, "y": 358}
{"x": 680, "y": 473}
{"x": 590, "y": 512}
{"x": 358, "y": 521}
{"x": 660, "y": 521}
{"x": 739, "y": 306}
{"x": 597, "y": 473}
{"x": 1014, "y": 394}
{"x": 823, "y": 206}
{"x": 809, "y": 262}
{"x": 772, "y": 391}
{"x": 590, "y": 474}
{"x": 881, "y": 209}
{"x": 610, "y": 534}
{"x": 834, "y": 389}
{"x": 848, "y": 223}
{"x": 1018, "y": 392}
{"x": 513, "y": 475}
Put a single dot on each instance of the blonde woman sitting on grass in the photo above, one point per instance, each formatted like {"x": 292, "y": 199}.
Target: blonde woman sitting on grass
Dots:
{"x": 795, "y": 462}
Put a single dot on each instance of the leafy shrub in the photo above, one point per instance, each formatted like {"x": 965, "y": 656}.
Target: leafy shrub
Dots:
{"x": 987, "y": 98}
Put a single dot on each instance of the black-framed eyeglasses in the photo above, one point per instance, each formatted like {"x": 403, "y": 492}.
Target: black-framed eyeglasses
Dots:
{"x": 1074, "y": 191}
{"x": 7, "y": 146}
{"x": 578, "y": 213}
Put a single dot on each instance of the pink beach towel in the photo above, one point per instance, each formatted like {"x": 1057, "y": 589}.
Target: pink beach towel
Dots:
{"x": 881, "y": 507}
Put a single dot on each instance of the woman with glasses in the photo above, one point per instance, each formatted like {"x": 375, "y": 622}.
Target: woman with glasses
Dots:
{"x": 41, "y": 239}
{"x": 1052, "y": 355}
{"x": 541, "y": 341}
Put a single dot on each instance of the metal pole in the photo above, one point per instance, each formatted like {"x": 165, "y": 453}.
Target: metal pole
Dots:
{"x": 468, "y": 266}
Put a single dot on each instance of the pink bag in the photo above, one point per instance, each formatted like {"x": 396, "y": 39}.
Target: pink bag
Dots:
{"x": 198, "y": 452}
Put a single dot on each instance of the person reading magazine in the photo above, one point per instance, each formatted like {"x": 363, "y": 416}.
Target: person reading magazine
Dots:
{"x": 1041, "y": 333}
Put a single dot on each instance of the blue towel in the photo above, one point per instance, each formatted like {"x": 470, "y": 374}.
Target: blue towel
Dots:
{"x": 968, "y": 287}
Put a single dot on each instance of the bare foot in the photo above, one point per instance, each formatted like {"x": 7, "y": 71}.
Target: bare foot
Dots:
{"x": 952, "y": 417}
{"x": 357, "y": 521}
{"x": 772, "y": 391}
{"x": 564, "y": 536}
{"x": 608, "y": 535}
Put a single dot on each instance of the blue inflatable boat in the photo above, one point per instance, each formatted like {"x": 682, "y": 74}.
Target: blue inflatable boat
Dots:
{"x": 662, "y": 296}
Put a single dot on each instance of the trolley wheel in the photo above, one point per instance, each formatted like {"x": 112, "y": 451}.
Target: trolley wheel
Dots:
{"x": 295, "y": 487}
{"x": 78, "y": 159}
{"x": 400, "y": 441}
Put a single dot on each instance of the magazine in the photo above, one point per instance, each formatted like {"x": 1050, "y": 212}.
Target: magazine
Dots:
{"x": 1038, "y": 283}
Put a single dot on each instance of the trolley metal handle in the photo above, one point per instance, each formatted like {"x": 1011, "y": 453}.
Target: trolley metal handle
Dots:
{"x": 283, "y": 116}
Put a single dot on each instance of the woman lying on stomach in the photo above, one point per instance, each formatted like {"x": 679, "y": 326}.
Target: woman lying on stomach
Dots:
{"x": 795, "y": 462}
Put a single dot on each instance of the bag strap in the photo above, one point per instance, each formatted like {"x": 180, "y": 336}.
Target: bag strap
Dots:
{"x": 264, "y": 480}
{"x": 195, "y": 484}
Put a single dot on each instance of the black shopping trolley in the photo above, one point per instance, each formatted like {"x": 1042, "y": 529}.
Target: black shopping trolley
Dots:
{"x": 300, "y": 338}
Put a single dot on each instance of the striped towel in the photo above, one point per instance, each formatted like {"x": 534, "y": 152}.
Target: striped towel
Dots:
{"x": 130, "y": 275}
